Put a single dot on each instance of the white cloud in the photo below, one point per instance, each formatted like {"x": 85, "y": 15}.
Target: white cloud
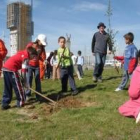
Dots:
{"x": 88, "y": 6}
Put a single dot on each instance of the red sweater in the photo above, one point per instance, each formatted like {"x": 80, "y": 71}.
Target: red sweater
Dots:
{"x": 14, "y": 63}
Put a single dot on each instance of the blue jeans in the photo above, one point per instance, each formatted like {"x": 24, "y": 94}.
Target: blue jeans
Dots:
{"x": 125, "y": 80}
{"x": 99, "y": 64}
{"x": 36, "y": 72}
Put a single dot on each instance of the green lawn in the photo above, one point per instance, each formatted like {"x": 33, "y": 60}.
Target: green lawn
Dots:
{"x": 91, "y": 115}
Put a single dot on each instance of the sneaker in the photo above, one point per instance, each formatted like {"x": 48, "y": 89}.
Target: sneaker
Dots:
{"x": 28, "y": 98}
{"x": 138, "y": 118}
{"x": 75, "y": 92}
{"x": 118, "y": 89}
{"x": 95, "y": 79}
{"x": 5, "y": 107}
{"x": 100, "y": 80}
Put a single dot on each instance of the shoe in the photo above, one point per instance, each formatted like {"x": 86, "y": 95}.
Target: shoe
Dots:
{"x": 100, "y": 80}
{"x": 5, "y": 107}
{"x": 75, "y": 92}
{"x": 28, "y": 98}
{"x": 95, "y": 79}
{"x": 138, "y": 118}
{"x": 118, "y": 89}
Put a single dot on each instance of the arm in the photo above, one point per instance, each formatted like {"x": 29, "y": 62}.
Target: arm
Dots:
{"x": 93, "y": 43}
{"x": 43, "y": 55}
{"x": 120, "y": 58}
{"x": 82, "y": 61}
{"x": 134, "y": 89}
{"x": 132, "y": 65}
{"x": 51, "y": 61}
{"x": 133, "y": 60}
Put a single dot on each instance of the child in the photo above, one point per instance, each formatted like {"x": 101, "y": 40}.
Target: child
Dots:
{"x": 80, "y": 63}
{"x": 12, "y": 78}
{"x": 66, "y": 68}
{"x": 35, "y": 66}
{"x": 129, "y": 60}
{"x": 54, "y": 63}
{"x": 74, "y": 58}
{"x": 132, "y": 107}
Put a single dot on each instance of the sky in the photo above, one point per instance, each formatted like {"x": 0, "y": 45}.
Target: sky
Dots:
{"x": 80, "y": 19}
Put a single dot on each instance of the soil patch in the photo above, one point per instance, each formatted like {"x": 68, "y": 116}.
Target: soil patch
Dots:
{"x": 68, "y": 102}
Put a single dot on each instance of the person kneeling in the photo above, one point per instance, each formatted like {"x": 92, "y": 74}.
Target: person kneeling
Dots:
{"x": 132, "y": 107}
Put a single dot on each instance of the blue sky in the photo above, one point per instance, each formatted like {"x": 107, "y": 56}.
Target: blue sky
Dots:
{"x": 79, "y": 18}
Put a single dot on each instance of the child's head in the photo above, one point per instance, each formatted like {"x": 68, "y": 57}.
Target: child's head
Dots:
{"x": 32, "y": 52}
{"x": 55, "y": 52}
{"x": 79, "y": 52}
{"x": 62, "y": 41}
{"x": 129, "y": 37}
{"x": 51, "y": 54}
{"x": 138, "y": 57}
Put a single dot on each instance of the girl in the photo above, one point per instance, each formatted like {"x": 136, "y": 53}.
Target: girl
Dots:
{"x": 132, "y": 107}
{"x": 54, "y": 63}
{"x": 35, "y": 66}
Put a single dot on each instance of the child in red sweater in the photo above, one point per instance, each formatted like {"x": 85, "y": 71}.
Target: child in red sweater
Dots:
{"x": 12, "y": 78}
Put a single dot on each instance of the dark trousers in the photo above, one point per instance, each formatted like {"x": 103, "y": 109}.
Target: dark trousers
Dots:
{"x": 12, "y": 81}
{"x": 80, "y": 69}
{"x": 48, "y": 72}
{"x": 125, "y": 79}
{"x": 36, "y": 72}
{"x": 67, "y": 74}
{"x": 99, "y": 64}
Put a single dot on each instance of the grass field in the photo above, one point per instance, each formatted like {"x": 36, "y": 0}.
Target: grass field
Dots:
{"x": 91, "y": 115}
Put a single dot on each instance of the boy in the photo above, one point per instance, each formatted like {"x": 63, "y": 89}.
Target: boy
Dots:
{"x": 129, "y": 58}
{"x": 12, "y": 78}
{"x": 66, "y": 68}
{"x": 80, "y": 63}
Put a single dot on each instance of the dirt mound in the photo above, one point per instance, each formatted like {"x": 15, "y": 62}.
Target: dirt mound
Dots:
{"x": 68, "y": 102}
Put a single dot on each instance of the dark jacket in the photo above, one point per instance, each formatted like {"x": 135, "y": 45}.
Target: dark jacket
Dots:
{"x": 100, "y": 43}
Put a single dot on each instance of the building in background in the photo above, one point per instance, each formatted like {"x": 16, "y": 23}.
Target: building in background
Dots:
{"x": 19, "y": 21}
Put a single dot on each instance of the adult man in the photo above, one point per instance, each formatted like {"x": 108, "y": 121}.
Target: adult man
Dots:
{"x": 99, "y": 49}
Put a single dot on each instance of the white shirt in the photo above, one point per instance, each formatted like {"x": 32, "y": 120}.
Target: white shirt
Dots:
{"x": 53, "y": 61}
{"x": 80, "y": 60}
